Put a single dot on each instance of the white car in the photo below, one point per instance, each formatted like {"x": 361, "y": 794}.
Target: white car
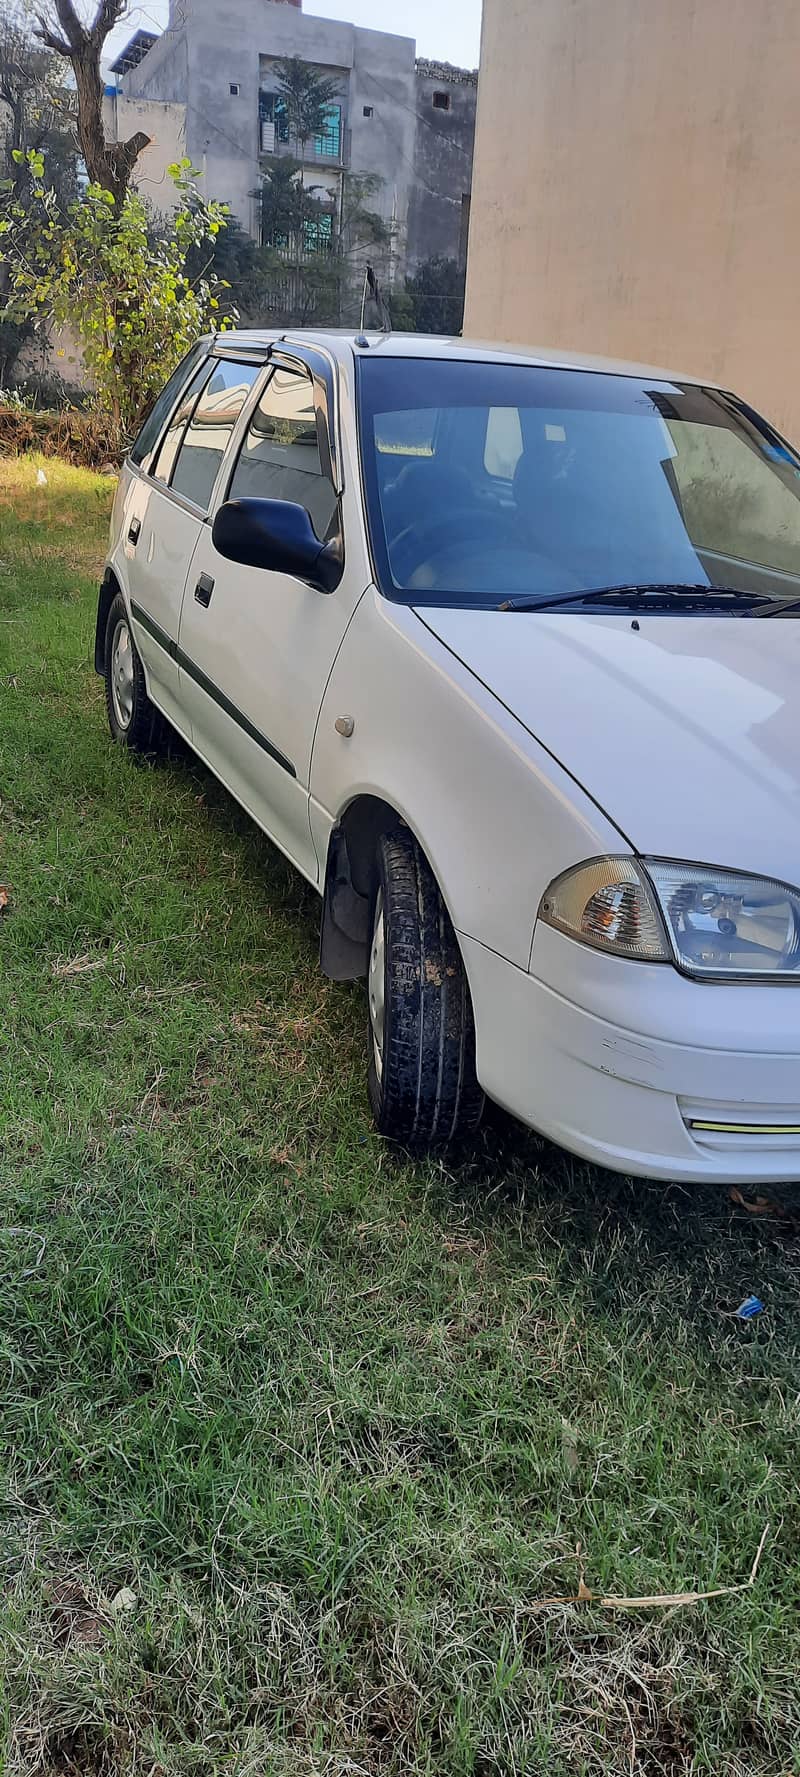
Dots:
{"x": 485, "y": 643}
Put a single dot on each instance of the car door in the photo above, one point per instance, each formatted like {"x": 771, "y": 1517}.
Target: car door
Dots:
{"x": 159, "y": 533}
{"x": 257, "y": 647}
{"x": 166, "y": 514}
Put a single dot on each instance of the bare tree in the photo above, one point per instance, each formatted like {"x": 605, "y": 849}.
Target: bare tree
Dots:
{"x": 109, "y": 164}
{"x": 37, "y": 110}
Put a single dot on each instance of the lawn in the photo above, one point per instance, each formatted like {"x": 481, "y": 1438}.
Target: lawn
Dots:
{"x": 305, "y": 1449}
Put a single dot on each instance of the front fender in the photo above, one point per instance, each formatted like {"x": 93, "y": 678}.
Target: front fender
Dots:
{"x": 496, "y": 816}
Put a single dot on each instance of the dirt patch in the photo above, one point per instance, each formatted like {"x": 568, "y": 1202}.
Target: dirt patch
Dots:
{"x": 75, "y": 1622}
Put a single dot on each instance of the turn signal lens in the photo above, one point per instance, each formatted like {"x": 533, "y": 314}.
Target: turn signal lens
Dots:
{"x": 608, "y": 903}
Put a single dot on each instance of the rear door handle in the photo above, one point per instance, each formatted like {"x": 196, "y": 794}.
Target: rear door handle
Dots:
{"x": 135, "y": 531}
{"x": 203, "y": 590}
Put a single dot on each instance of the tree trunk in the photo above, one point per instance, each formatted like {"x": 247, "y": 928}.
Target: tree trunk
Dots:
{"x": 109, "y": 165}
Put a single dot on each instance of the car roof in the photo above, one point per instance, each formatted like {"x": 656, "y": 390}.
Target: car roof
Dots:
{"x": 344, "y": 344}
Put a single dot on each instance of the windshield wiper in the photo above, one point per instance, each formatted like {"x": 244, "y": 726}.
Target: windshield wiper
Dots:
{"x": 781, "y": 607}
{"x": 653, "y": 595}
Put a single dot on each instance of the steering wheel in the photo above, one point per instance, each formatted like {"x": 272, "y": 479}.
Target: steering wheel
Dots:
{"x": 417, "y": 543}
{"x": 418, "y": 546}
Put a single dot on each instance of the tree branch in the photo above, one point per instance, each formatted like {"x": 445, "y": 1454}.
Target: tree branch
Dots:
{"x": 109, "y": 13}
{"x": 109, "y": 164}
{"x": 73, "y": 35}
{"x": 49, "y": 38}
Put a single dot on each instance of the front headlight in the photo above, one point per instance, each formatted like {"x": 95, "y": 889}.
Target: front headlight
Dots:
{"x": 710, "y": 922}
{"x": 722, "y": 924}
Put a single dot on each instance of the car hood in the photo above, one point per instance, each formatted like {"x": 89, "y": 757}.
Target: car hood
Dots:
{"x": 685, "y": 730}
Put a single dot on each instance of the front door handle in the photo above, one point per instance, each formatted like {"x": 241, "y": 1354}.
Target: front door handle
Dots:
{"x": 135, "y": 531}
{"x": 203, "y": 590}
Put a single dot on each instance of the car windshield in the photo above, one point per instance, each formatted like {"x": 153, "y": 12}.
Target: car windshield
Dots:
{"x": 493, "y": 483}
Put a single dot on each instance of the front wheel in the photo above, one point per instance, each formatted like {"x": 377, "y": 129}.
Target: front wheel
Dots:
{"x": 423, "y": 1086}
{"x": 132, "y": 717}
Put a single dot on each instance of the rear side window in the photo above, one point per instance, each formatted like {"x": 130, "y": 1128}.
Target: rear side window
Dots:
{"x": 144, "y": 448}
{"x": 280, "y": 457}
{"x": 164, "y": 461}
{"x": 208, "y": 433}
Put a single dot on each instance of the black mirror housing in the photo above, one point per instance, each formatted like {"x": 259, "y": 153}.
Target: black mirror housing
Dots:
{"x": 278, "y": 535}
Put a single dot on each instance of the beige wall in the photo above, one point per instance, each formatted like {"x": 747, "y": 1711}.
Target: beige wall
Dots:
{"x": 58, "y": 353}
{"x": 165, "y": 124}
{"x": 637, "y": 186}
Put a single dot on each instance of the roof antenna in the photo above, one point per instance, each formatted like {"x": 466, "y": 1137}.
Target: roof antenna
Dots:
{"x": 362, "y": 338}
{"x": 372, "y": 288}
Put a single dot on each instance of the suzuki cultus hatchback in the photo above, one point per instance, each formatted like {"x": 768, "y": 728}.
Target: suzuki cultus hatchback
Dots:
{"x": 503, "y": 651}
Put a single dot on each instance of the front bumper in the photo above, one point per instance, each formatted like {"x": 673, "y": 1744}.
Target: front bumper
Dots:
{"x": 636, "y": 1068}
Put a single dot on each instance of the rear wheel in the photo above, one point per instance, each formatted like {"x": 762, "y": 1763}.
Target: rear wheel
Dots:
{"x": 132, "y": 717}
{"x": 423, "y": 1087}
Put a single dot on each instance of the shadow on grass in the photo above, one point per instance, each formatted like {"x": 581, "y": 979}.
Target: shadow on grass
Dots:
{"x": 631, "y": 1240}
{"x": 663, "y": 1250}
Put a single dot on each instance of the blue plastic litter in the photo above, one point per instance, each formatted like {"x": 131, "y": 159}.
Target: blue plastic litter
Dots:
{"x": 750, "y": 1307}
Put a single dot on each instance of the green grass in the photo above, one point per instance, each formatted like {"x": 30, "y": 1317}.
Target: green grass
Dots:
{"x": 341, "y": 1423}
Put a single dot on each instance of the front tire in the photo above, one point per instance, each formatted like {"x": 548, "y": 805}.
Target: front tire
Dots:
{"x": 132, "y": 717}
{"x": 423, "y": 1086}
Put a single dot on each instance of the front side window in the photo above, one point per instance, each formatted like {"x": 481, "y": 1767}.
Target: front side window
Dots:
{"x": 143, "y": 450}
{"x": 208, "y": 433}
{"x": 487, "y": 482}
{"x": 280, "y": 457}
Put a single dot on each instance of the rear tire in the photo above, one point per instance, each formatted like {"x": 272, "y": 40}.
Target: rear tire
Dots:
{"x": 132, "y": 717}
{"x": 423, "y": 1087}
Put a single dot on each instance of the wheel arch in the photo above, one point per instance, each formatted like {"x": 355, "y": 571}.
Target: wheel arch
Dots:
{"x": 109, "y": 587}
{"x": 350, "y": 880}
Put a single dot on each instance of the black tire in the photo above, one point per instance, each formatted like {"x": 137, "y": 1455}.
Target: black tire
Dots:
{"x": 423, "y": 1087}
{"x": 134, "y": 721}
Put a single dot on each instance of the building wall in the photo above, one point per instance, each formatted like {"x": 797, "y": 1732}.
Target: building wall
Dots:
{"x": 438, "y": 212}
{"x": 636, "y": 180}
{"x": 374, "y": 69}
{"x": 165, "y": 124}
{"x": 167, "y": 69}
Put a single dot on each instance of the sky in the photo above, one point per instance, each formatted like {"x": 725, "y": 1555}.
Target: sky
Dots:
{"x": 445, "y": 30}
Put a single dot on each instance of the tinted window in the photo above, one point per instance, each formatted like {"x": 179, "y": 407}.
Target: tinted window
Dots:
{"x": 486, "y": 480}
{"x": 165, "y": 458}
{"x": 280, "y": 458}
{"x": 151, "y": 430}
{"x": 209, "y": 430}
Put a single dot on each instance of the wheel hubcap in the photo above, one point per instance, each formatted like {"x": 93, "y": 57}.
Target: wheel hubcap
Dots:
{"x": 376, "y": 985}
{"x": 122, "y": 674}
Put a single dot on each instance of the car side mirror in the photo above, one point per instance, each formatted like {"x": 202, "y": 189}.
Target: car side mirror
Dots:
{"x": 278, "y": 535}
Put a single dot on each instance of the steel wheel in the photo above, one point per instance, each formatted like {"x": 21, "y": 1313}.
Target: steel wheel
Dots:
{"x": 376, "y": 985}
{"x": 134, "y": 721}
{"x": 122, "y": 673}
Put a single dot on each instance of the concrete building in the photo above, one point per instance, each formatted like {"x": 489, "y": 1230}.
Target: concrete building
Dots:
{"x": 165, "y": 125}
{"x": 635, "y": 193}
{"x": 408, "y": 123}
{"x": 439, "y": 201}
